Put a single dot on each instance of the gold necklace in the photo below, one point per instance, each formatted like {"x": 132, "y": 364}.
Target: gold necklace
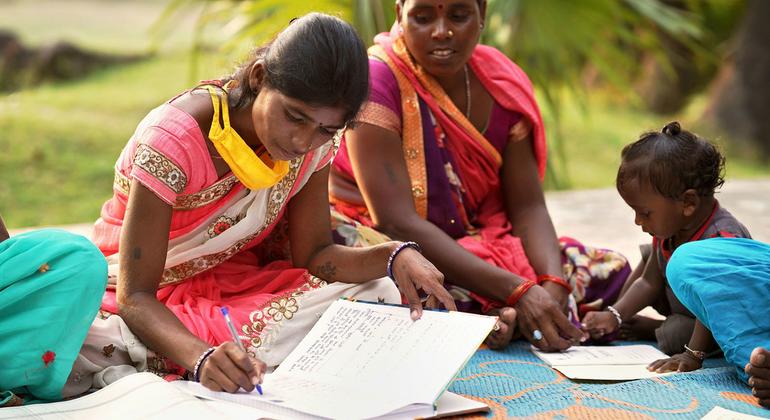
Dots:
{"x": 467, "y": 93}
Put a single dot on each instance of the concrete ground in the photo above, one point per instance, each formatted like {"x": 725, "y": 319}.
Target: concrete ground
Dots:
{"x": 600, "y": 217}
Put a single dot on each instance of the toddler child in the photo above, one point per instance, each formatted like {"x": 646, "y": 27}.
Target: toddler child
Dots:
{"x": 669, "y": 178}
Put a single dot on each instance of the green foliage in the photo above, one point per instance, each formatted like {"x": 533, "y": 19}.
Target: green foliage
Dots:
{"x": 59, "y": 142}
{"x": 553, "y": 41}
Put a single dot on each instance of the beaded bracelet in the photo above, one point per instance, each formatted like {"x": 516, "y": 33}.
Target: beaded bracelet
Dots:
{"x": 555, "y": 279}
{"x": 198, "y": 364}
{"x": 617, "y": 315}
{"x": 700, "y": 355}
{"x": 519, "y": 291}
{"x": 394, "y": 254}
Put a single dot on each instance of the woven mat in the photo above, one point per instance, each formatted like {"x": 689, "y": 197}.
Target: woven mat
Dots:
{"x": 516, "y": 384}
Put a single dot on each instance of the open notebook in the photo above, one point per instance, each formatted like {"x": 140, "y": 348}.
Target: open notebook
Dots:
{"x": 139, "y": 396}
{"x": 604, "y": 363}
{"x": 365, "y": 360}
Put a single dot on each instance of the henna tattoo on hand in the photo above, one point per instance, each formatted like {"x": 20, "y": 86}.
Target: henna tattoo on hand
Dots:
{"x": 391, "y": 173}
{"x": 327, "y": 270}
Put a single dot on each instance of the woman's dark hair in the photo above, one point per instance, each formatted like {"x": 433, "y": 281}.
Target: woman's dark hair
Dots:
{"x": 673, "y": 161}
{"x": 318, "y": 59}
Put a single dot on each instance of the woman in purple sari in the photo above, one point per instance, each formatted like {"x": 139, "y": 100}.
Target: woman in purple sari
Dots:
{"x": 450, "y": 152}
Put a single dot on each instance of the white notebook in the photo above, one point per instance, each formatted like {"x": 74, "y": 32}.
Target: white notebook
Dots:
{"x": 366, "y": 360}
{"x": 139, "y": 396}
{"x": 604, "y": 363}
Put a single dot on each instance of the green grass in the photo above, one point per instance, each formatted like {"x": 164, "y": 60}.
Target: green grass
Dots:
{"x": 107, "y": 25}
{"x": 58, "y": 143}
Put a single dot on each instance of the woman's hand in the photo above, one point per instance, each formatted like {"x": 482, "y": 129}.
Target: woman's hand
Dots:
{"x": 598, "y": 324}
{"x": 682, "y": 362}
{"x": 559, "y": 294}
{"x": 411, "y": 272}
{"x": 501, "y": 336}
{"x": 229, "y": 368}
{"x": 538, "y": 311}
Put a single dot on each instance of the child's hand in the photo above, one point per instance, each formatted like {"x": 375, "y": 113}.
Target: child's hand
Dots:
{"x": 682, "y": 362}
{"x": 599, "y": 324}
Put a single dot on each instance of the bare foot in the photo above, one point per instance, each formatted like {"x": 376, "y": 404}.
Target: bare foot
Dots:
{"x": 639, "y": 328}
{"x": 759, "y": 375}
{"x": 501, "y": 336}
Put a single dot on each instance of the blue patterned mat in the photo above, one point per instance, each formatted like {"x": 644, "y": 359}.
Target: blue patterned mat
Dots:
{"x": 515, "y": 383}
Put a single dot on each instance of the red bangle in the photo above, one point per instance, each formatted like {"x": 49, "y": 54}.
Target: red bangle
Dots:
{"x": 518, "y": 292}
{"x": 556, "y": 279}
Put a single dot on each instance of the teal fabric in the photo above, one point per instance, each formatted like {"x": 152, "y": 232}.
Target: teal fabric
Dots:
{"x": 47, "y": 311}
{"x": 725, "y": 282}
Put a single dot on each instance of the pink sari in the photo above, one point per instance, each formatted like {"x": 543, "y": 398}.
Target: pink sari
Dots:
{"x": 228, "y": 245}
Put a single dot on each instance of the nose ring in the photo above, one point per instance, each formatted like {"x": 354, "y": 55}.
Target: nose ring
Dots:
{"x": 449, "y": 33}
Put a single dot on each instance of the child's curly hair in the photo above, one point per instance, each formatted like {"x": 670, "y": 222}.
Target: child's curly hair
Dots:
{"x": 673, "y": 161}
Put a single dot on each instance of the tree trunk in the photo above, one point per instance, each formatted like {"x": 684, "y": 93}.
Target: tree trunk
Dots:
{"x": 740, "y": 102}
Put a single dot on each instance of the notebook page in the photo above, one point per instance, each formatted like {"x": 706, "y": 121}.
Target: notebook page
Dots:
{"x": 371, "y": 350}
{"x": 274, "y": 400}
{"x": 142, "y": 395}
{"x": 615, "y": 373}
{"x": 641, "y": 354}
{"x": 719, "y": 413}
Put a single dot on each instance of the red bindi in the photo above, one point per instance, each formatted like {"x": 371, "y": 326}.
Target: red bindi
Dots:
{"x": 440, "y": 6}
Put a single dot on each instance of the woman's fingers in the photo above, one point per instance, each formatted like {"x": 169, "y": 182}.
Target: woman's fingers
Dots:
{"x": 656, "y": 364}
{"x": 567, "y": 329}
{"x": 408, "y": 289}
{"x": 419, "y": 273}
{"x": 504, "y": 329}
{"x": 234, "y": 364}
{"x": 214, "y": 379}
{"x": 432, "y": 302}
{"x": 436, "y": 289}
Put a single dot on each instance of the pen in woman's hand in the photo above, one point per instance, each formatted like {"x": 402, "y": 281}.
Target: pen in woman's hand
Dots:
{"x": 226, "y": 314}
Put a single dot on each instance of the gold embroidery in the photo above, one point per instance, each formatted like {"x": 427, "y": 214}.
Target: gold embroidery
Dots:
{"x": 221, "y": 224}
{"x": 283, "y": 308}
{"x": 278, "y": 198}
{"x": 381, "y": 116}
{"x": 121, "y": 183}
{"x": 411, "y": 129}
{"x": 201, "y": 198}
{"x": 278, "y": 309}
{"x": 418, "y": 191}
{"x": 159, "y": 166}
{"x": 207, "y": 195}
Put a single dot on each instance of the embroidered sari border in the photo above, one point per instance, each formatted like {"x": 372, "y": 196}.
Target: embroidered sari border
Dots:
{"x": 201, "y": 198}
{"x": 412, "y": 139}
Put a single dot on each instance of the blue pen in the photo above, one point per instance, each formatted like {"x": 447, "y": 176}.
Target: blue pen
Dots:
{"x": 237, "y": 340}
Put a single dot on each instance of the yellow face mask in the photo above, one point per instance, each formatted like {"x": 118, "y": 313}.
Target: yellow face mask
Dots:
{"x": 253, "y": 173}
